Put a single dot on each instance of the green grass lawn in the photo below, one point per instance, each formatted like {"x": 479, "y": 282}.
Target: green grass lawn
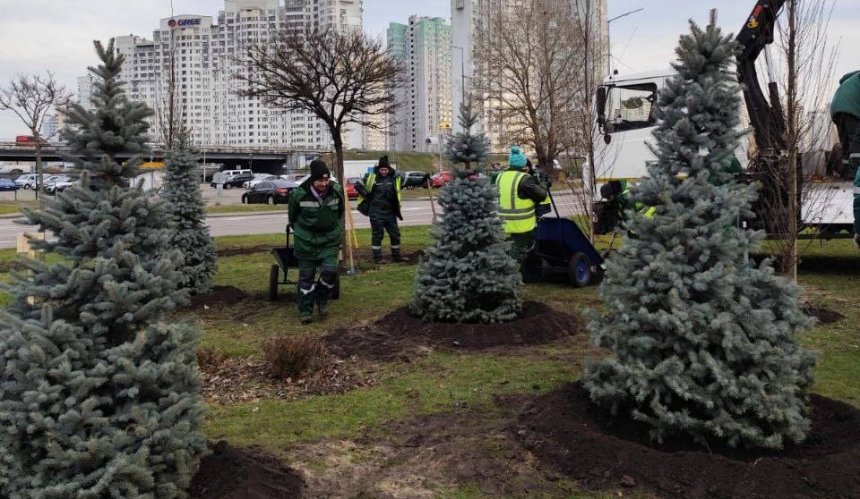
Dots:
{"x": 440, "y": 383}
{"x": 9, "y": 207}
{"x": 244, "y": 208}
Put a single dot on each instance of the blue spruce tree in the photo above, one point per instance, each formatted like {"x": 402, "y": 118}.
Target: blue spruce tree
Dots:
{"x": 703, "y": 341}
{"x": 99, "y": 395}
{"x": 182, "y": 190}
{"x": 467, "y": 274}
{"x": 464, "y": 147}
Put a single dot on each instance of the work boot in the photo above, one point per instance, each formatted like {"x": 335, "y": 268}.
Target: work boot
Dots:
{"x": 322, "y": 307}
{"x": 395, "y": 256}
{"x": 377, "y": 256}
{"x": 306, "y": 318}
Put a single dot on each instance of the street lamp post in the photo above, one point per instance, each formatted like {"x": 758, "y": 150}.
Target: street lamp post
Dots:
{"x": 462, "y": 71}
{"x": 608, "y": 42}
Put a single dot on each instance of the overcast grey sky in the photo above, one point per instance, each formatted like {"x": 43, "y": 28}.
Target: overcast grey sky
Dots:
{"x": 39, "y": 35}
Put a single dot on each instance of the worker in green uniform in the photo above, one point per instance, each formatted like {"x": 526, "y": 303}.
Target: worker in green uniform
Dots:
{"x": 315, "y": 210}
{"x": 845, "y": 112}
{"x": 519, "y": 193}
{"x": 857, "y": 208}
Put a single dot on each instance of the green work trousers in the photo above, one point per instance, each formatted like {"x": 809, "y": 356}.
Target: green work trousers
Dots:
{"x": 521, "y": 244}
{"x": 318, "y": 292}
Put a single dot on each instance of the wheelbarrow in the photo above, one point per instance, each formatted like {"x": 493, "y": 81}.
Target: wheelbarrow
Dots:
{"x": 561, "y": 247}
{"x": 286, "y": 259}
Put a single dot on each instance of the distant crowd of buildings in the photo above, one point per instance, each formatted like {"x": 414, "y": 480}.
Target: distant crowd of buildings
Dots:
{"x": 437, "y": 56}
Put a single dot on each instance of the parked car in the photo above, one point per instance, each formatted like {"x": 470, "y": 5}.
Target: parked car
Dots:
{"x": 294, "y": 177}
{"x": 7, "y": 185}
{"x": 259, "y": 177}
{"x": 27, "y": 181}
{"x": 231, "y": 178}
{"x": 269, "y": 192}
{"x": 49, "y": 181}
{"x": 351, "y": 192}
{"x": 234, "y": 181}
{"x": 440, "y": 179}
{"x": 412, "y": 180}
{"x": 60, "y": 185}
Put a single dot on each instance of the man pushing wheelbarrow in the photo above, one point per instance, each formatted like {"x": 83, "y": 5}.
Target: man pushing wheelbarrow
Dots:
{"x": 315, "y": 210}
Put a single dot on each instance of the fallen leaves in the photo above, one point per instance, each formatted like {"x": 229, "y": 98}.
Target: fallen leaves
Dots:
{"x": 247, "y": 379}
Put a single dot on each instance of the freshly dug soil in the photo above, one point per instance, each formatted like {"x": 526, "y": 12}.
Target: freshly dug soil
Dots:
{"x": 565, "y": 430}
{"x": 220, "y": 295}
{"x": 400, "y": 330}
{"x": 233, "y": 473}
{"x": 245, "y": 250}
{"x": 824, "y": 316}
{"x": 234, "y": 380}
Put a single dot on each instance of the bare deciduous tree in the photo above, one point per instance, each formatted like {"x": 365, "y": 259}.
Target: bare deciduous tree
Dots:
{"x": 585, "y": 34}
{"x": 168, "y": 113}
{"x": 805, "y": 78}
{"x": 527, "y": 66}
{"x": 342, "y": 78}
{"x": 32, "y": 98}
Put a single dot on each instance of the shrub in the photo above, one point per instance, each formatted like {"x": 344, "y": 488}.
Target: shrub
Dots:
{"x": 293, "y": 356}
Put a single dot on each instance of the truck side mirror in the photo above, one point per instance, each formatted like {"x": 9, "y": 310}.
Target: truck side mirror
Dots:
{"x": 600, "y": 103}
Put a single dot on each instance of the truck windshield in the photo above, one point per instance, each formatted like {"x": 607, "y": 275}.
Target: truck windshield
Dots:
{"x": 630, "y": 107}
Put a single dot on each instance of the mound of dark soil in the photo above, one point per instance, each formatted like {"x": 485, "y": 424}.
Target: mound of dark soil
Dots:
{"x": 568, "y": 432}
{"x": 233, "y": 473}
{"x": 824, "y": 315}
{"x": 245, "y": 250}
{"x": 220, "y": 295}
{"x": 400, "y": 330}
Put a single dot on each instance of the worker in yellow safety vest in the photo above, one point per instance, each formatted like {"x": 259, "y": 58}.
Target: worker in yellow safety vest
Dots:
{"x": 518, "y": 195}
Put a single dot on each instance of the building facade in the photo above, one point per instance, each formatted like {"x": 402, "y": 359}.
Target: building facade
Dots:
{"x": 424, "y": 106}
{"x": 204, "y": 50}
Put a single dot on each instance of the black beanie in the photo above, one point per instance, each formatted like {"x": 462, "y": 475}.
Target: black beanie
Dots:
{"x": 383, "y": 162}
{"x": 319, "y": 170}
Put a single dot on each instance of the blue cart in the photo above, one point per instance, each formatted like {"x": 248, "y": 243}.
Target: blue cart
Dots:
{"x": 561, "y": 247}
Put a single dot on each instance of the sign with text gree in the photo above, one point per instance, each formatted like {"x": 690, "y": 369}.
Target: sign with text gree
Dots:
{"x": 183, "y": 23}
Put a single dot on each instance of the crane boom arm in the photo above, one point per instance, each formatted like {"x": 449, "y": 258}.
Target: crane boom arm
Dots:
{"x": 766, "y": 115}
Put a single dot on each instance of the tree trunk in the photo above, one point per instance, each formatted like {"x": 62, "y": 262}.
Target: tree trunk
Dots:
{"x": 38, "y": 169}
{"x": 338, "y": 168}
{"x": 790, "y": 263}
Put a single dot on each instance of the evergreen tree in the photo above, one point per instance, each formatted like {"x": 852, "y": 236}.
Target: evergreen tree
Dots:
{"x": 464, "y": 147}
{"x": 99, "y": 396}
{"x": 467, "y": 274}
{"x": 182, "y": 190}
{"x": 703, "y": 340}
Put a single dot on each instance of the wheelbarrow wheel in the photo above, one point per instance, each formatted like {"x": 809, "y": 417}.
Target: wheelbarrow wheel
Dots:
{"x": 579, "y": 271}
{"x": 273, "y": 283}
{"x": 335, "y": 293}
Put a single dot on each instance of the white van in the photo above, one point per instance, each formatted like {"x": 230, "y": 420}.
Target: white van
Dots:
{"x": 27, "y": 181}
{"x": 225, "y": 177}
{"x": 228, "y": 174}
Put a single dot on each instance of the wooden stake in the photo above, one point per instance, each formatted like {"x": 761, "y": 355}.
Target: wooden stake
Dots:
{"x": 349, "y": 240}
{"x": 432, "y": 203}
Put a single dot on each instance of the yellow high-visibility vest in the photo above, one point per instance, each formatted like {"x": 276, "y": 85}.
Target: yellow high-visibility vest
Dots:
{"x": 371, "y": 179}
{"x": 517, "y": 213}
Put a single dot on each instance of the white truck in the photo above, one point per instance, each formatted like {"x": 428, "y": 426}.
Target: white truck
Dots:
{"x": 624, "y": 109}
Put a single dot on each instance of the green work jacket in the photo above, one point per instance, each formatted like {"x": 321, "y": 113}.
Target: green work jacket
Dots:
{"x": 316, "y": 223}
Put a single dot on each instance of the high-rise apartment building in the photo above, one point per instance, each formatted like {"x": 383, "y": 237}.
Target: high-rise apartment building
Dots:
{"x": 205, "y": 53}
{"x": 423, "y": 48}
{"x": 467, "y": 18}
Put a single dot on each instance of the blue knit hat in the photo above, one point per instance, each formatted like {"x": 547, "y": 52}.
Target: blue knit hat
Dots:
{"x": 516, "y": 159}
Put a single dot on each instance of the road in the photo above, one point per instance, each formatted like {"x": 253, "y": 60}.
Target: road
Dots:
{"x": 415, "y": 212}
